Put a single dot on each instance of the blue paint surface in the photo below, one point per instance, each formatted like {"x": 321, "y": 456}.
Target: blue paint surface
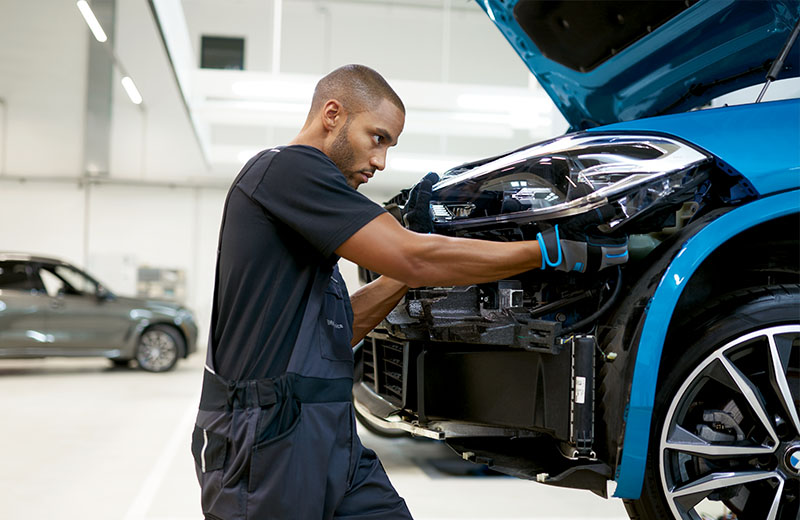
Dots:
{"x": 795, "y": 461}
{"x": 709, "y": 49}
{"x": 630, "y": 472}
{"x": 759, "y": 141}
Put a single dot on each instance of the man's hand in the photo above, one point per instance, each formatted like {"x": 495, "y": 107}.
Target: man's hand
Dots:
{"x": 417, "y": 211}
{"x": 576, "y": 245}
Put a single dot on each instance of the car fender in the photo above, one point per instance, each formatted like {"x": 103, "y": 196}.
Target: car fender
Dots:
{"x": 189, "y": 333}
{"x": 656, "y": 321}
{"x": 132, "y": 338}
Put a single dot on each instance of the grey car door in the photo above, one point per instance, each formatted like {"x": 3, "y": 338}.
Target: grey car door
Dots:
{"x": 78, "y": 319}
{"x": 22, "y": 328}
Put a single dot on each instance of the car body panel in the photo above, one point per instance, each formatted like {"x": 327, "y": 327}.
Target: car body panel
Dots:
{"x": 84, "y": 321}
{"x": 21, "y": 326}
{"x": 709, "y": 49}
{"x": 773, "y": 126}
{"x": 41, "y": 322}
{"x": 630, "y": 472}
{"x": 682, "y": 227}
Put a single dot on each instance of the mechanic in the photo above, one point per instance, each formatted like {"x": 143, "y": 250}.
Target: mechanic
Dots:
{"x": 275, "y": 435}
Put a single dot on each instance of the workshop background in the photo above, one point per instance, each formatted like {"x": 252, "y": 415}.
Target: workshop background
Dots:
{"x": 126, "y": 182}
{"x": 91, "y": 177}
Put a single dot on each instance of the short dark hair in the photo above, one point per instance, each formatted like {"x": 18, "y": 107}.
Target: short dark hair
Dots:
{"x": 357, "y": 87}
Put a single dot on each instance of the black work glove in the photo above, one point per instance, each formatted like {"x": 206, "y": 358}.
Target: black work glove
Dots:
{"x": 417, "y": 211}
{"x": 577, "y": 245}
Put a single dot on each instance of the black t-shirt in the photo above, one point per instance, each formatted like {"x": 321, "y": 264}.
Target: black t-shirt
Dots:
{"x": 280, "y": 220}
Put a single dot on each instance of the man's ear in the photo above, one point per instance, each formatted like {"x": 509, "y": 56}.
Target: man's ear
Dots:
{"x": 333, "y": 114}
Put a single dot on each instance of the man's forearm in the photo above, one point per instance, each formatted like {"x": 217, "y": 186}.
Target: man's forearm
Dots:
{"x": 417, "y": 259}
{"x": 372, "y": 303}
{"x": 442, "y": 260}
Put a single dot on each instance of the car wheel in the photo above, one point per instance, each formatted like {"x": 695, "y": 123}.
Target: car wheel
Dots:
{"x": 159, "y": 348}
{"x": 726, "y": 432}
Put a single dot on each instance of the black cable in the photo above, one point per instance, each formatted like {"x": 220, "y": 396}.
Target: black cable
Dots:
{"x": 602, "y": 310}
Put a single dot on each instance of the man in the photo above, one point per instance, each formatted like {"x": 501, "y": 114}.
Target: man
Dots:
{"x": 275, "y": 434}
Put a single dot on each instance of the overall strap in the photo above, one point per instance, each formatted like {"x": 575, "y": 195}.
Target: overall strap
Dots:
{"x": 269, "y": 154}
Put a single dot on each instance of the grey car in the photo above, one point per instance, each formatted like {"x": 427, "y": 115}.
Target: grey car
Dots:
{"x": 51, "y": 308}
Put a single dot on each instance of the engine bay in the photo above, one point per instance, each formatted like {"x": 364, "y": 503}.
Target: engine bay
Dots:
{"x": 645, "y": 188}
{"x": 431, "y": 367}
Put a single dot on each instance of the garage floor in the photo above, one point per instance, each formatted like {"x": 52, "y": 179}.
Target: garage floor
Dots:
{"x": 81, "y": 439}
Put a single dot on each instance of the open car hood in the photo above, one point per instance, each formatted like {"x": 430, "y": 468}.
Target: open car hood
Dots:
{"x": 617, "y": 60}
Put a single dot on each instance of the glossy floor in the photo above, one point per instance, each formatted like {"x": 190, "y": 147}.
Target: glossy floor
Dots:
{"x": 83, "y": 440}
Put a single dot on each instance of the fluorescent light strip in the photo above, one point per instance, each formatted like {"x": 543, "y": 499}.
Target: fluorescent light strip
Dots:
{"x": 131, "y": 90}
{"x": 91, "y": 21}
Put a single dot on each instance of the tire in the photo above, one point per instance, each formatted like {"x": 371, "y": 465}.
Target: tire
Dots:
{"x": 725, "y": 436}
{"x": 159, "y": 348}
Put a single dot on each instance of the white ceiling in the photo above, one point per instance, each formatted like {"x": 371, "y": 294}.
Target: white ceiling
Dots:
{"x": 467, "y": 93}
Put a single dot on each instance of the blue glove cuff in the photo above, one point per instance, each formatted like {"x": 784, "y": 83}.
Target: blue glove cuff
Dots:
{"x": 543, "y": 247}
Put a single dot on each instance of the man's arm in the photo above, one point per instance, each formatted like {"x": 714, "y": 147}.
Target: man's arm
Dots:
{"x": 415, "y": 259}
{"x": 372, "y": 303}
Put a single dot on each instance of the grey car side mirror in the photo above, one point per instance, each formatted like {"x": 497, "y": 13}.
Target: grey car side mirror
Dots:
{"x": 103, "y": 294}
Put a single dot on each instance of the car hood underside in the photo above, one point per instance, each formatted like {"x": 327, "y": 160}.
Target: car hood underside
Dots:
{"x": 611, "y": 61}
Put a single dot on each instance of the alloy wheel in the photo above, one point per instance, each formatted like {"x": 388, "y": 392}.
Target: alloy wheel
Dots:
{"x": 158, "y": 350}
{"x": 732, "y": 432}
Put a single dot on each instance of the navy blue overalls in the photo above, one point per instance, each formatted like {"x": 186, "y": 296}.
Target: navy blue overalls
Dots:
{"x": 286, "y": 447}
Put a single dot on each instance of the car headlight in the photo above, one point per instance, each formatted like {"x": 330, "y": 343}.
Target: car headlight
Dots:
{"x": 567, "y": 176}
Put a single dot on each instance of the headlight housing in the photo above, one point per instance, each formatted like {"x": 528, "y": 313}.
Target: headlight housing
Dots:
{"x": 567, "y": 176}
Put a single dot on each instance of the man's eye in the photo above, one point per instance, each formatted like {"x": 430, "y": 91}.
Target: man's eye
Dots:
{"x": 378, "y": 139}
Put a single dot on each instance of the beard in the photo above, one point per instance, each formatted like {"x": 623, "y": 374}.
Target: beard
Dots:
{"x": 341, "y": 152}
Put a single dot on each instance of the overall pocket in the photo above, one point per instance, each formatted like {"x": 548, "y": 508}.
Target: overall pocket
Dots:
{"x": 209, "y": 450}
{"x": 335, "y": 329}
{"x": 271, "y": 489}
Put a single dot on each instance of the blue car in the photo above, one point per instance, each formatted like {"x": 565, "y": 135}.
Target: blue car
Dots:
{"x": 675, "y": 376}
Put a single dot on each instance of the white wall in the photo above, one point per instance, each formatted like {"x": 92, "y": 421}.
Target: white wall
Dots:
{"x": 431, "y": 51}
{"x": 155, "y": 140}
{"x": 43, "y": 80}
{"x": 112, "y": 229}
{"x": 42, "y": 218}
{"x": 249, "y": 19}
{"x": 156, "y": 227}
{"x": 43, "y": 57}
{"x": 432, "y": 40}
{"x": 128, "y": 227}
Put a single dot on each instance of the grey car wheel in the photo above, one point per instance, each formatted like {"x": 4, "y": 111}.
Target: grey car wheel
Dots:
{"x": 159, "y": 348}
{"x": 728, "y": 432}
{"x": 732, "y": 431}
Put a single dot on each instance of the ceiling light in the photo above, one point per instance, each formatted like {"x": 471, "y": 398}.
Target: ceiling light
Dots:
{"x": 131, "y": 90}
{"x": 91, "y": 21}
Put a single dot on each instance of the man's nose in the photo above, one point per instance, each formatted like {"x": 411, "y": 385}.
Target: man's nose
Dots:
{"x": 378, "y": 160}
